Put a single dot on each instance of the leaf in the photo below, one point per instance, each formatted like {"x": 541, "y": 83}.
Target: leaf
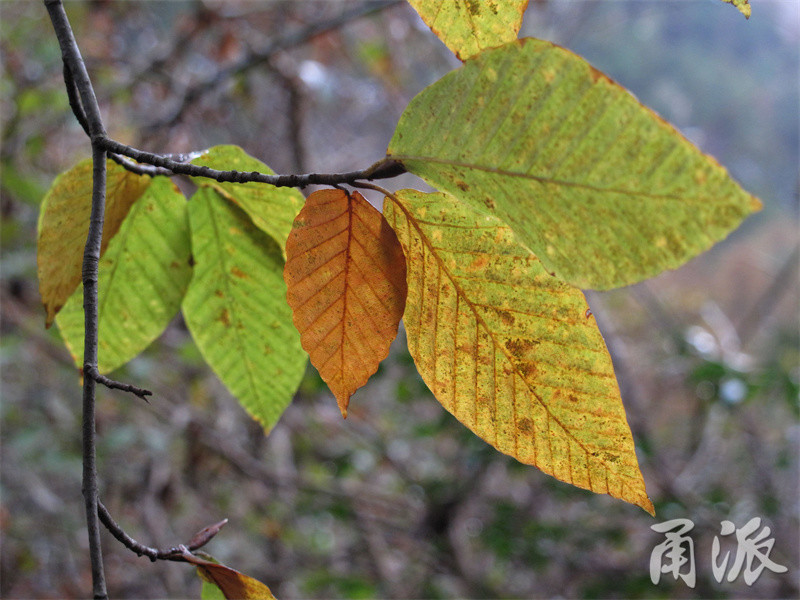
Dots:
{"x": 236, "y": 308}
{"x": 346, "y": 278}
{"x": 233, "y": 584}
{"x": 144, "y": 274}
{"x": 271, "y": 208}
{"x": 743, "y": 6}
{"x": 469, "y": 26}
{"x": 508, "y": 349}
{"x": 601, "y": 189}
{"x": 64, "y": 224}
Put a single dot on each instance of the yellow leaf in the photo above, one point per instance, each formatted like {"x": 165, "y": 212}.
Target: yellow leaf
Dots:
{"x": 509, "y": 350}
{"x": 469, "y": 26}
{"x": 64, "y": 225}
{"x": 346, "y": 279}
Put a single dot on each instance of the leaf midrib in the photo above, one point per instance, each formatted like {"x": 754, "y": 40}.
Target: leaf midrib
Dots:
{"x": 629, "y": 194}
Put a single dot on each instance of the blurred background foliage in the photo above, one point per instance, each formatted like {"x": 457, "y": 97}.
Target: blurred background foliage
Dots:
{"x": 400, "y": 500}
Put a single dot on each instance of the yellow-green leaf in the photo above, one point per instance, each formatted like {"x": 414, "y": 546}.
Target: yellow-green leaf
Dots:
{"x": 271, "y": 208}
{"x": 510, "y": 350}
{"x": 236, "y": 308}
{"x": 743, "y": 6}
{"x": 64, "y": 224}
{"x": 144, "y": 274}
{"x": 600, "y": 188}
{"x": 469, "y": 26}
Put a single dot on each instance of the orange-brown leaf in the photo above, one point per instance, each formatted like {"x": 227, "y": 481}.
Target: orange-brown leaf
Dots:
{"x": 233, "y": 584}
{"x": 346, "y": 278}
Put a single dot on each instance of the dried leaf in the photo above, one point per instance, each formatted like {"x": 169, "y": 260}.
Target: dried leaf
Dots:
{"x": 507, "y": 348}
{"x": 346, "y": 279}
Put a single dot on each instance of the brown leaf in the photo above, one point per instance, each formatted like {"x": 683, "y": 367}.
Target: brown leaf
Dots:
{"x": 233, "y": 584}
{"x": 346, "y": 278}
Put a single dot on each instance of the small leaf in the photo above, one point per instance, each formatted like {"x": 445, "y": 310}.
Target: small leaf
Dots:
{"x": 469, "y": 26}
{"x": 64, "y": 225}
{"x": 272, "y": 209}
{"x": 144, "y": 274}
{"x": 743, "y": 6}
{"x": 236, "y": 308}
{"x": 507, "y": 348}
{"x": 602, "y": 190}
{"x": 233, "y": 584}
{"x": 346, "y": 277}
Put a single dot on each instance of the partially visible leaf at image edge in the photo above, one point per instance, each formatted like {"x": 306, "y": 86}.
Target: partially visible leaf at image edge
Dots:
{"x": 64, "y": 224}
{"x": 236, "y": 310}
{"x": 469, "y": 26}
{"x": 509, "y": 350}
{"x": 602, "y": 190}
{"x": 743, "y": 6}
{"x": 144, "y": 274}
{"x": 346, "y": 279}
{"x": 232, "y": 584}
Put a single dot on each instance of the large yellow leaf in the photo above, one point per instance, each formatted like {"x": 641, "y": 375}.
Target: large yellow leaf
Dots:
{"x": 600, "y": 188}
{"x": 469, "y": 26}
{"x": 346, "y": 279}
{"x": 64, "y": 225}
{"x": 509, "y": 349}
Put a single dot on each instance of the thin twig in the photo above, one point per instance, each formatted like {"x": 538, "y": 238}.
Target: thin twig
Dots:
{"x": 90, "y": 371}
{"x": 384, "y": 168}
{"x": 176, "y": 553}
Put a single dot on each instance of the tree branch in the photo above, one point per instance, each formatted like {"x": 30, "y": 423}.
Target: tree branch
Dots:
{"x": 90, "y": 371}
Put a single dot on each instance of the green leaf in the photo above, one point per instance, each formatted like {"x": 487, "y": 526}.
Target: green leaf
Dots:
{"x": 271, "y": 208}
{"x": 144, "y": 274}
{"x": 600, "y": 188}
{"x": 64, "y": 224}
{"x": 743, "y": 6}
{"x": 236, "y": 308}
{"x": 469, "y": 26}
{"x": 509, "y": 350}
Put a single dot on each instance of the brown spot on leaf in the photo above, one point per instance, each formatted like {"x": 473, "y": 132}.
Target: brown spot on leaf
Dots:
{"x": 462, "y": 185}
{"x": 519, "y": 347}
{"x": 237, "y": 272}
{"x": 225, "y": 317}
{"x": 490, "y": 204}
{"x": 507, "y": 318}
{"x": 525, "y": 425}
{"x": 219, "y": 294}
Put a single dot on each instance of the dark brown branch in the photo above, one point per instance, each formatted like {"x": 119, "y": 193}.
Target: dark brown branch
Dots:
{"x": 382, "y": 169}
{"x": 176, "y": 553}
{"x": 193, "y": 93}
{"x": 87, "y": 111}
{"x": 91, "y": 371}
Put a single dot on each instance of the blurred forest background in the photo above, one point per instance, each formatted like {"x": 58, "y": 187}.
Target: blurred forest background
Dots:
{"x": 400, "y": 500}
